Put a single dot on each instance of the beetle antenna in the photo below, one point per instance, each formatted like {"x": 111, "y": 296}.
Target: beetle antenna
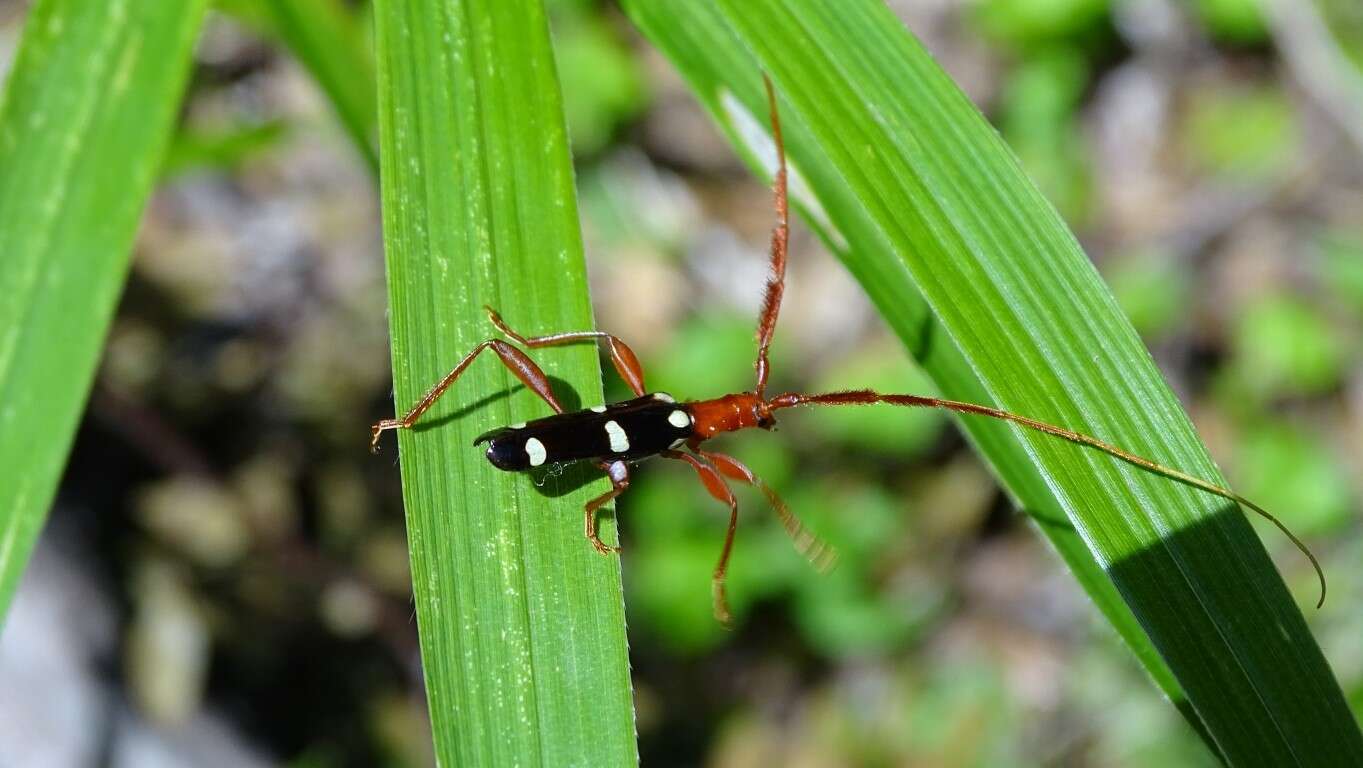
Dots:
{"x": 868, "y": 397}
{"x": 780, "y": 242}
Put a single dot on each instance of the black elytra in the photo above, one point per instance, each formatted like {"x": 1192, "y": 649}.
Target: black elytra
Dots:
{"x": 628, "y": 431}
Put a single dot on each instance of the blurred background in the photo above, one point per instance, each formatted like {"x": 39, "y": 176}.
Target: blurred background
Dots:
{"x": 223, "y": 580}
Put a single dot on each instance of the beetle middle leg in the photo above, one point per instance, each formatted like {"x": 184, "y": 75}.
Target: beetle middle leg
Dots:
{"x": 618, "y": 472}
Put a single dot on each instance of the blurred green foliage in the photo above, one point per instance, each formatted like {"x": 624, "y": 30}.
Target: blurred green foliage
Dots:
{"x": 1234, "y": 21}
{"x": 1344, "y": 19}
{"x": 1027, "y": 23}
{"x": 881, "y": 432}
{"x": 1135, "y": 730}
{"x": 602, "y": 87}
{"x": 333, "y": 40}
{"x": 1286, "y": 468}
{"x": 220, "y": 149}
{"x": 1152, "y": 288}
{"x": 866, "y": 605}
{"x": 1341, "y": 270}
{"x": 1039, "y": 119}
{"x": 709, "y": 355}
{"x": 1242, "y": 133}
{"x": 1283, "y": 345}
{"x": 964, "y": 714}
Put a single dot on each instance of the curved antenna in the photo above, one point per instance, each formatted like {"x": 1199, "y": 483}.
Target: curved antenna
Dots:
{"x": 780, "y": 241}
{"x": 868, "y": 397}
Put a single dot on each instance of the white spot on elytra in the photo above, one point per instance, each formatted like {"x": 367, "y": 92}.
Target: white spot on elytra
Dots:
{"x": 616, "y": 433}
{"x": 518, "y": 425}
{"x": 598, "y": 409}
{"x": 663, "y": 396}
{"x": 535, "y": 450}
{"x": 679, "y": 419}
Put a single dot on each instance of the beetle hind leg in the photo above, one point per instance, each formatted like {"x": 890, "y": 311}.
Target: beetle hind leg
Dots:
{"x": 714, "y": 484}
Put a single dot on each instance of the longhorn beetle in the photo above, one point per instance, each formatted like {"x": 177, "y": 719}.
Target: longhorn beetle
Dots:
{"x": 617, "y": 436}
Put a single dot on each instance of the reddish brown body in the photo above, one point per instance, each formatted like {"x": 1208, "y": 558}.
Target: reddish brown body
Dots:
{"x": 741, "y": 410}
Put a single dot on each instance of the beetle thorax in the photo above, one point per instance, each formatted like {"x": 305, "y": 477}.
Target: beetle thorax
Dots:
{"x": 742, "y": 410}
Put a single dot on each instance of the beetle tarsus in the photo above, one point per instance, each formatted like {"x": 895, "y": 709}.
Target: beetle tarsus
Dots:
{"x": 378, "y": 429}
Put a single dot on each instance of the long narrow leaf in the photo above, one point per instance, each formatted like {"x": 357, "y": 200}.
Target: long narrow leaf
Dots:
{"x": 902, "y": 153}
{"x": 87, "y": 113}
{"x": 521, "y": 621}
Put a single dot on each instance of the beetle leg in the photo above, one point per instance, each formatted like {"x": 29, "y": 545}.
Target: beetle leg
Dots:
{"x": 622, "y": 357}
{"x": 514, "y": 359}
{"x": 819, "y": 553}
{"x": 715, "y": 485}
{"x": 619, "y": 475}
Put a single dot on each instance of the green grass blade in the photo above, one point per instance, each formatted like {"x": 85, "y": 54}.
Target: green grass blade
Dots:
{"x": 521, "y": 622}
{"x": 910, "y": 159}
{"x": 87, "y": 113}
